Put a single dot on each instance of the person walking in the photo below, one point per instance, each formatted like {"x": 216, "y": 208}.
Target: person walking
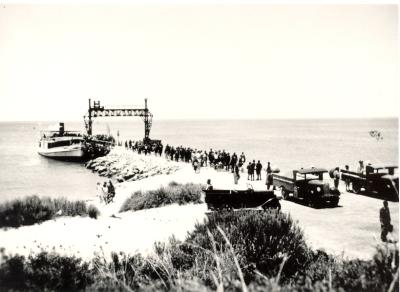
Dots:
{"x": 336, "y": 178}
{"x": 258, "y": 170}
{"x": 236, "y": 175}
{"x": 384, "y": 218}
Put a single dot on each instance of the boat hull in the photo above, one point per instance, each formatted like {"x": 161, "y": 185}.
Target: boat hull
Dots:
{"x": 64, "y": 154}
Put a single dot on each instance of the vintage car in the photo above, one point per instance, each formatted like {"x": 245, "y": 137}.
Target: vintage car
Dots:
{"x": 382, "y": 180}
{"x": 239, "y": 199}
{"x": 307, "y": 185}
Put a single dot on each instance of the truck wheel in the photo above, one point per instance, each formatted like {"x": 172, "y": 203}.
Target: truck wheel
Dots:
{"x": 284, "y": 193}
{"x": 334, "y": 202}
{"x": 311, "y": 203}
{"x": 355, "y": 188}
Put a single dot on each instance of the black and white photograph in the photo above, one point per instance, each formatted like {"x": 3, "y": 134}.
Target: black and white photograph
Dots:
{"x": 199, "y": 146}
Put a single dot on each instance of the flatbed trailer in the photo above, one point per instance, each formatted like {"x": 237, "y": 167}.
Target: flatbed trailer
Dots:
{"x": 382, "y": 180}
{"x": 238, "y": 199}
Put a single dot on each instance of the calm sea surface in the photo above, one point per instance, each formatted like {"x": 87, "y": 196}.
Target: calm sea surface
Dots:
{"x": 287, "y": 144}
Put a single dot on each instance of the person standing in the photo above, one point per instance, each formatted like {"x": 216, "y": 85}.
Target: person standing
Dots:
{"x": 253, "y": 167}
{"x": 336, "y": 178}
{"x": 236, "y": 175}
{"x": 242, "y": 158}
{"x": 209, "y": 185}
{"x": 347, "y": 180}
{"x": 269, "y": 175}
{"x": 361, "y": 167}
{"x": 249, "y": 171}
{"x": 384, "y": 218}
{"x": 110, "y": 192}
{"x": 258, "y": 170}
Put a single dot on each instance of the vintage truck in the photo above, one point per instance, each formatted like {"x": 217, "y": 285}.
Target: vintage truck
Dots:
{"x": 222, "y": 199}
{"x": 382, "y": 180}
{"x": 308, "y": 185}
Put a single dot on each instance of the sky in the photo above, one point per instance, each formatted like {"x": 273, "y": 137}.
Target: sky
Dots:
{"x": 200, "y": 61}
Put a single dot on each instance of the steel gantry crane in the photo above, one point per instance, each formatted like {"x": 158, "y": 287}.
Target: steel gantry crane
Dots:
{"x": 96, "y": 110}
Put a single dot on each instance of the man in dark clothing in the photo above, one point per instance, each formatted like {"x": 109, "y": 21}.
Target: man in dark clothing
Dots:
{"x": 242, "y": 158}
{"x": 384, "y": 217}
{"x": 209, "y": 185}
{"x": 258, "y": 170}
{"x": 249, "y": 171}
{"x": 233, "y": 161}
{"x": 253, "y": 167}
{"x": 227, "y": 161}
{"x": 336, "y": 177}
{"x": 269, "y": 175}
{"x": 236, "y": 174}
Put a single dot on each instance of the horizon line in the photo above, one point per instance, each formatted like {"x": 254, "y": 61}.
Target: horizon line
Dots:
{"x": 218, "y": 119}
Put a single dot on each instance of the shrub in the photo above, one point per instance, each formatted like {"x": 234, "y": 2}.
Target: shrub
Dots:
{"x": 32, "y": 209}
{"x": 262, "y": 240}
{"x": 45, "y": 272}
{"x": 372, "y": 275}
{"x": 93, "y": 212}
{"x": 174, "y": 193}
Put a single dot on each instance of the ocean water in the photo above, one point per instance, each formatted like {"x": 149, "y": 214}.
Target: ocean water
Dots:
{"x": 287, "y": 144}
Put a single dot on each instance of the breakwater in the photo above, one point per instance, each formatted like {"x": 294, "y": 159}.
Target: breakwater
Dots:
{"x": 123, "y": 165}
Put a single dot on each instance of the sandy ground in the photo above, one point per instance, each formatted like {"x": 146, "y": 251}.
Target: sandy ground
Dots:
{"x": 351, "y": 230}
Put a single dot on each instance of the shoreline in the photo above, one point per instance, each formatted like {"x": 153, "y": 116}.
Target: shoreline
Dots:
{"x": 340, "y": 231}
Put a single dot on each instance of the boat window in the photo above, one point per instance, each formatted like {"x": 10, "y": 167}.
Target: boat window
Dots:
{"x": 59, "y": 143}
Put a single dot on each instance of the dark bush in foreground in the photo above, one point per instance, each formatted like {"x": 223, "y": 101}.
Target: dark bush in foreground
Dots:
{"x": 174, "y": 193}
{"x": 33, "y": 209}
{"x": 44, "y": 272}
{"x": 262, "y": 240}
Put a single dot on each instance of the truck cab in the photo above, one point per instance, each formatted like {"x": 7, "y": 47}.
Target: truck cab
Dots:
{"x": 382, "y": 179}
{"x": 309, "y": 186}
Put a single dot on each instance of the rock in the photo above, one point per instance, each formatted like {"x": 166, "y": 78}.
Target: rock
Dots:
{"x": 128, "y": 166}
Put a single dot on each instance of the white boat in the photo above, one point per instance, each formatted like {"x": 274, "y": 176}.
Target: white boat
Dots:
{"x": 63, "y": 145}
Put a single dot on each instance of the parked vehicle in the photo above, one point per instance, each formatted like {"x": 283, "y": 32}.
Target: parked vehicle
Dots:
{"x": 383, "y": 180}
{"x": 308, "y": 185}
{"x": 239, "y": 199}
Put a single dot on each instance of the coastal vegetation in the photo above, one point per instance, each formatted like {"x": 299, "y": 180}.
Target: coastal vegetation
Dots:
{"x": 231, "y": 251}
{"x": 33, "y": 209}
{"x": 174, "y": 193}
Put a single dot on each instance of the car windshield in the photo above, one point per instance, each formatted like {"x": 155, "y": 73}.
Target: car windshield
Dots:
{"x": 309, "y": 176}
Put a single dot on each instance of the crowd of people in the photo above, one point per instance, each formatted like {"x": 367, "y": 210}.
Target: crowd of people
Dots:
{"x": 221, "y": 160}
{"x": 155, "y": 147}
